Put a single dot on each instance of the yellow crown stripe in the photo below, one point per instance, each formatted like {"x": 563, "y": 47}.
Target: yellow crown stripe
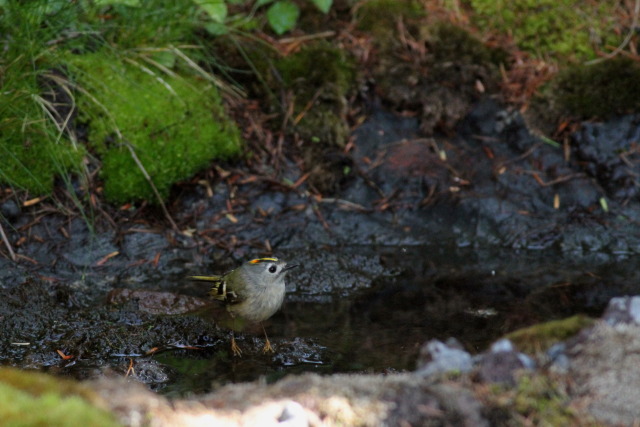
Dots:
{"x": 258, "y": 260}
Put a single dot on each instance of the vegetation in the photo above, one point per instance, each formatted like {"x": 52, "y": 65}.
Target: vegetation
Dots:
{"x": 126, "y": 77}
{"x": 381, "y": 16}
{"x": 36, "y": 399}
{"x": 81, "y": 71}
{"x": 129, "y": 87}
{"x": 35, "y": 146}
{"x": 174, "y": 125}
{"x": 538, "y": 338}
{"x": 535, "y": 400}
{"x": 600, "y": 90}
{"x": 322, "y": 76}
{"x": 281, "y": 15}
{"x": 566, "y": 29}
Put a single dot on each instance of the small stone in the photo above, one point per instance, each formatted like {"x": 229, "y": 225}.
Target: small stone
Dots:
{"x": 438, "y": 357}
{"x": 10, "y": 209}
{"x": 500, "y": 364}
{"x": 502, "y": 345}
{"x": 623, "y": 310}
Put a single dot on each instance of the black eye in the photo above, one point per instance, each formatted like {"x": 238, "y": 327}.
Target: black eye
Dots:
{"x": 273, "y": 269}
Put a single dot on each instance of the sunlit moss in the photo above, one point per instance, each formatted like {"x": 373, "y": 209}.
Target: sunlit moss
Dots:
{"x": 36, "y": 399}
{"x": 540, "y": 337}
{"x": 175, "y": 124}
{"x": 563, "y": 29}
{"x": 535, "y": 400}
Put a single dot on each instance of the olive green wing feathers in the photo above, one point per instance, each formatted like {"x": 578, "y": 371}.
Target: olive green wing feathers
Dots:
{"x": 219, "y": 289}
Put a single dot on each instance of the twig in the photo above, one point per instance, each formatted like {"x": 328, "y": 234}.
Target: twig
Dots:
{"x": 522, "y": 156}
{"x": 135, "y": 158}
{"x": 71, "y": 35}
{"x": 234, "y": 92}
{"x": 7, "y": 244}
{"x": 558, "y": 180}
{"x": 307, "y": 107}
{"x": 429, "y": 198}
{"x": 324, "y": 223}
{"x": 148, "y": 71}
{"x": 625, "y": 42}
{"x": 346, "y": 204}
{"x": 307, "y": 37}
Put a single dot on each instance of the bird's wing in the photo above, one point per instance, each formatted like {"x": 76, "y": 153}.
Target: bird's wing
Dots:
{"x": 219, "y": 289}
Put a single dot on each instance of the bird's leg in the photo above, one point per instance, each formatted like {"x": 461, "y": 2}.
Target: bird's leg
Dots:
{"x": 267, "y": 345}
{"x": 234, "y": 347}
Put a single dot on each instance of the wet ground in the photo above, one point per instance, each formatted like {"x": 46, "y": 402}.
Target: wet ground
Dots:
{"x": 389, "y": 301}
{"x": 425, "y": 238}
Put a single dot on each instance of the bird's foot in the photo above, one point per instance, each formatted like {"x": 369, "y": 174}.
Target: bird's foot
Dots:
{"x": 234, "y": 348}
{"x": 267, "y": 347}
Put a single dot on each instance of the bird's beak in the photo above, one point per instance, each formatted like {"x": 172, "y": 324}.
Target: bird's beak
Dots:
{"x": 289, "y": 267}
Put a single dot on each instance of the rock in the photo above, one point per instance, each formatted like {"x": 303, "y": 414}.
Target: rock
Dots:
{"x": 558, "y": 357}
{"x": 501, "y": 363}
{"x": 623, "y": 310}
{"x": 605, "y": 371}
{"x": 10, "y": 209}
{"x": 437, "y": 357}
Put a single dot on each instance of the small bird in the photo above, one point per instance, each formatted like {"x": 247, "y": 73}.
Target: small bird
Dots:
{"x": 252, "y": 292}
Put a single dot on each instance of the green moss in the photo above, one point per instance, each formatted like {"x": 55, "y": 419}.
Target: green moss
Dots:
{"x": 540, "y": 337}
{"x": 324, "y": 124}
{"x": 381, "y": 16}
{"x": 535, "y": 400}
{"x": 565, "y": 28}
{"x": 320, "y": 77}
{"x": 320, "y": 65}
{"x": 35, "y": 399}
{"x": 600, "y": 90}
{"x": 541, "y": 401}
{"x": 452, "y": 43}
{"x": 175, "y": 124}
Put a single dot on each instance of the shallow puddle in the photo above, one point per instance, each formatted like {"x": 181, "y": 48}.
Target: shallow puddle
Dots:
{"x": 420, "y": 294}
{"x": 348, "y": 309}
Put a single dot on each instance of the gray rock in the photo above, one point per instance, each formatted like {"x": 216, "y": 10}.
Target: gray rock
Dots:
{"x": 558, "y": 358}
{"x": 500, "y": 364}
{"x": 605, "y": 372}
{"x": 10, "y": 209}
{"x": 623, "y": 310}
{"x": 438, "y": 357}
